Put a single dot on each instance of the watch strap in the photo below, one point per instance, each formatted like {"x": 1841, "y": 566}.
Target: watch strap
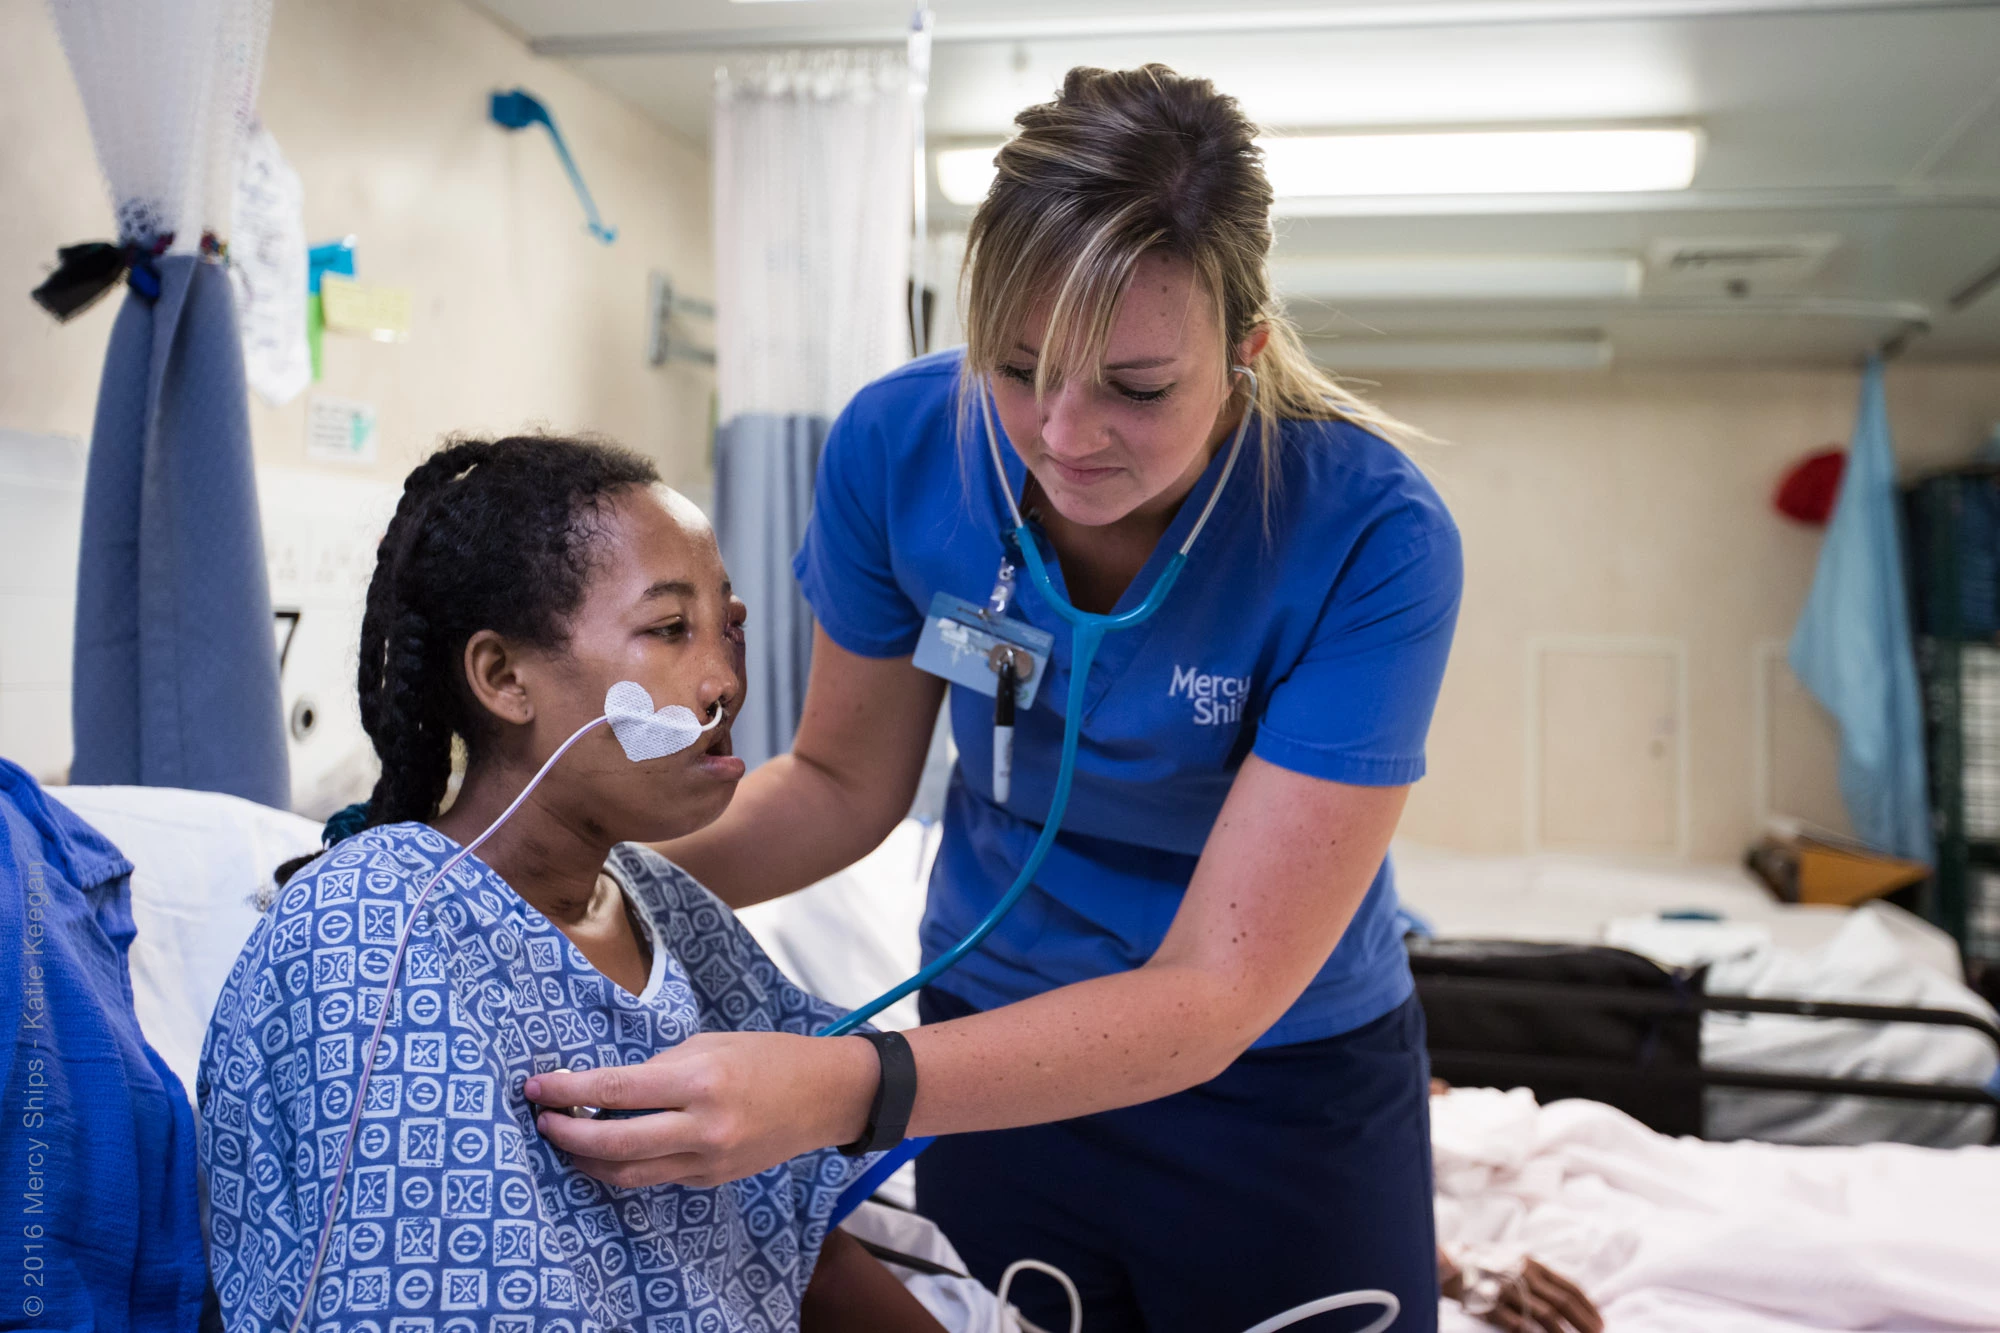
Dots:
{"x": 895, "y": 1094}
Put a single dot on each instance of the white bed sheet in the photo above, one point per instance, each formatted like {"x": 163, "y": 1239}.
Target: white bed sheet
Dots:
{"x": 853, "y": 935}
{"x": 1569, "y": 899}
{"x": 1672, "y": 1235}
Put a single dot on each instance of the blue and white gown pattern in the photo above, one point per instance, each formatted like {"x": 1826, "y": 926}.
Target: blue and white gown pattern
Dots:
{"x": 457, "y": 1217}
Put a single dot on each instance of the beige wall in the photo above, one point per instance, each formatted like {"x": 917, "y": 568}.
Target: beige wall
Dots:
{"x": 1635, "y": 505}
{"x": 521, "y": 318}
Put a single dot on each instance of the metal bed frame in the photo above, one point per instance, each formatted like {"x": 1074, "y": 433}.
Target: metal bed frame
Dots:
{"x": 1483, "y": 1067}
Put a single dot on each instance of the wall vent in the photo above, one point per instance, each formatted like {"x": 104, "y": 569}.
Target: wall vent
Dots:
{"x": 1737, "y": 265}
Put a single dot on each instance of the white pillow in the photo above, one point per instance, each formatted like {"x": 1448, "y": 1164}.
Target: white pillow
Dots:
{"x": 199, "y": 860}
{"x": 853, "y": 935}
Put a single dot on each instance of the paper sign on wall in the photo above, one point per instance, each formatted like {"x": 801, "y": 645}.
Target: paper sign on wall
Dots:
{"x": 267, "y": 268}
{"x": 339, "y": 430}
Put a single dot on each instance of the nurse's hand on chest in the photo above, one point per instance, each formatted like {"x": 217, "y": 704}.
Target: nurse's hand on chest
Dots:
{"x": 720, "y": 1088}
{"x": 1286, "y": 865}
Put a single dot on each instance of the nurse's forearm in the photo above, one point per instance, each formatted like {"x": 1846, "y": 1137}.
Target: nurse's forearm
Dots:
{"x": 1092, "y": 1046}
{"x": 847, "y": 782}
{"x": 792, "y": 823}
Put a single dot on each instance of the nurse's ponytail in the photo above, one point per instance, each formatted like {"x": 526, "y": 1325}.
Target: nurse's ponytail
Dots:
{"x": 1121, "y": 163}
{"x": 489, "y": 534}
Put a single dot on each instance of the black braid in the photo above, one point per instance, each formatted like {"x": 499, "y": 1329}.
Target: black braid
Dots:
{"x": 488, "y": 535}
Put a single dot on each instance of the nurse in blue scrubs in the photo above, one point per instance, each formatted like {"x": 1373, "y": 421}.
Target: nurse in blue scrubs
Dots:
{"x": 1188, "y": 1069}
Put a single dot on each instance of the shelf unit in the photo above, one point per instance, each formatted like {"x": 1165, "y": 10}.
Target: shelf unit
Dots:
{"x": 1953, "y": 525}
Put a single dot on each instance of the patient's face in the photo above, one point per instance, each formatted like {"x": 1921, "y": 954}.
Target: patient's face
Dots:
{"x": 657, "y": 610}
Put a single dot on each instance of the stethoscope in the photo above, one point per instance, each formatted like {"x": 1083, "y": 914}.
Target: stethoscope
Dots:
{"x": 1087, "y": 631}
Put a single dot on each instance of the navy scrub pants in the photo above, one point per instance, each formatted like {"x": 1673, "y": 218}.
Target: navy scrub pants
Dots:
{"x": 1300, "y": 1172}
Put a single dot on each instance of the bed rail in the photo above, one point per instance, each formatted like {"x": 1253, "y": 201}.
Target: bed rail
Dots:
{"x": 1483, "y": 1066}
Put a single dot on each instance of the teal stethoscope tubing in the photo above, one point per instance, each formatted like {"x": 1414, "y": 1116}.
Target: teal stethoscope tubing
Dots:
{"x": 1087, "y": 631}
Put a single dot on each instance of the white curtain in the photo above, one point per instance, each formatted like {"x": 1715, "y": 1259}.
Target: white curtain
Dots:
{"x": 813, "y": 195}
{"x": 812, "y": 229}
{"x": 170, "y": 88}
{"x": 175, "y": 679}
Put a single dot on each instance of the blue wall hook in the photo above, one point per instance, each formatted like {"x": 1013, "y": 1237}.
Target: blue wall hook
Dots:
{"x": 518, "y": 110}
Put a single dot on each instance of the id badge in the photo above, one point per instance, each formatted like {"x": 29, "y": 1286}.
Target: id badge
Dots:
{"x": 963, "y": 646}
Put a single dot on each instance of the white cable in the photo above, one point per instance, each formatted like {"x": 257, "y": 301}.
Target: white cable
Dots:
{"x": 1023, "y": 1265}
{"x": 1391, "y": 1307}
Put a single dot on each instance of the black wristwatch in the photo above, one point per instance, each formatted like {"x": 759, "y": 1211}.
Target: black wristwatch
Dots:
{"x": 895, "y": 1094}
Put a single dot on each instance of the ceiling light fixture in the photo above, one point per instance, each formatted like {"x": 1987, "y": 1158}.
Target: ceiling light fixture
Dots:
{"x": 1405, "y": 278}
{"x": 1458, "y": 162}
{"x": 1439, "y": 355}
{"x": 1481, "y": 162}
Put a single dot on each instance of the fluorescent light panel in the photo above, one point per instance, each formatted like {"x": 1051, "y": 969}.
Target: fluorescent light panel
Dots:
{"x": 1470, "y": 162}
{"x": 1407, "y": 278}
{"x": 1482, "y": 162}
{"x": 1466, "y": 354}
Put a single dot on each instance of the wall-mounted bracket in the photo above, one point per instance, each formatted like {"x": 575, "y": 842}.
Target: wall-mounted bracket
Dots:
{"x": 664, "y": 341}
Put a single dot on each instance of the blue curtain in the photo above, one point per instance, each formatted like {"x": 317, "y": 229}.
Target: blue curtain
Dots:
{"x": 1852, "y": 646}
{"x": 764, "y": 466}
{"x": 175, "y": 678}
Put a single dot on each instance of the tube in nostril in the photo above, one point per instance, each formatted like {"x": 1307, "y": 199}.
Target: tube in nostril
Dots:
{"x": 646, "y": 733}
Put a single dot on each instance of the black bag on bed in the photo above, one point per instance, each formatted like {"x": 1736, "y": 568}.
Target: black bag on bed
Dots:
{"x": 1508, "y": 1014}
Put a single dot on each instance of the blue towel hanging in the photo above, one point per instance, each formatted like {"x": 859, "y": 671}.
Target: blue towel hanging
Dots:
{"x": 1852, "y": 646}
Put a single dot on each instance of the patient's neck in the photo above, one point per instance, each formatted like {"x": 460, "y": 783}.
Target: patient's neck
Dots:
{"x": 552, "y": 862}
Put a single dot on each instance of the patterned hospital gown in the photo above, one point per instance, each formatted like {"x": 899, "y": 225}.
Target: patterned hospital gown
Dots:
{"x": 457, "y": 1217}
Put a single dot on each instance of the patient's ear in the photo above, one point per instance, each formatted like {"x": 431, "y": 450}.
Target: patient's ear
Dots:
{"x": 493, "y": 672}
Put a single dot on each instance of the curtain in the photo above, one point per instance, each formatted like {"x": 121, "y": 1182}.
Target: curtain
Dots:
{"x": 1852, "y": 645}
{"x": 175, "y": 677}
{"x": 812, "y": 219}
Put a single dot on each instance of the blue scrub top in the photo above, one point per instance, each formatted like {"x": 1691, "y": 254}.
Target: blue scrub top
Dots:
{"x": 1317, "y": 643}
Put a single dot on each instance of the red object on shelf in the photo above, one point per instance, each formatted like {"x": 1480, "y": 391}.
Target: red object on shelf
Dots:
{"x": 1809, "y": 488}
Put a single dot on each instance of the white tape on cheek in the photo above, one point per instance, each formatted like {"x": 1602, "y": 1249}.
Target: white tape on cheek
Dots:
{"x": 646, "y": 733}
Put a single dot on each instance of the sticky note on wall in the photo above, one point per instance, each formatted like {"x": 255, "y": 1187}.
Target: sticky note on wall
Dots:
{"x": 381, "y": 313}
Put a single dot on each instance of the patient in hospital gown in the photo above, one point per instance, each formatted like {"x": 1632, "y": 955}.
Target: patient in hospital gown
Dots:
{"x": 459, "y": 1216}
{"x": 519, "y": 580}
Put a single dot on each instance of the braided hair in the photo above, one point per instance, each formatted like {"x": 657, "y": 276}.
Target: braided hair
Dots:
{"x": 489, "y": 534}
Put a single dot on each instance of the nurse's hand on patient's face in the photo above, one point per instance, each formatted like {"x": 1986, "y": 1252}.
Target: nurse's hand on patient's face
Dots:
{"x": 730, "y": 1104}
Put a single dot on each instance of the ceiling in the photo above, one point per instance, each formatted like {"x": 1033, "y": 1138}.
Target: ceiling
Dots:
{"x": 1868, "y": 126}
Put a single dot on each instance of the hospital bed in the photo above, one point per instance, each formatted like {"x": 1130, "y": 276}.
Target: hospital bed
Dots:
{"x": 1769, "y": 1020}
{"x": 1615, "y": 1027}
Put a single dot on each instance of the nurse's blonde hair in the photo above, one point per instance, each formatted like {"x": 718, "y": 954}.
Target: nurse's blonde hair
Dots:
{"x": 1123, "y": 163}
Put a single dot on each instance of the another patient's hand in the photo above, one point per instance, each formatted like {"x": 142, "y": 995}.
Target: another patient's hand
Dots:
{"x": 728, "y": 1105}
{"x": 1535, "y": 1299}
